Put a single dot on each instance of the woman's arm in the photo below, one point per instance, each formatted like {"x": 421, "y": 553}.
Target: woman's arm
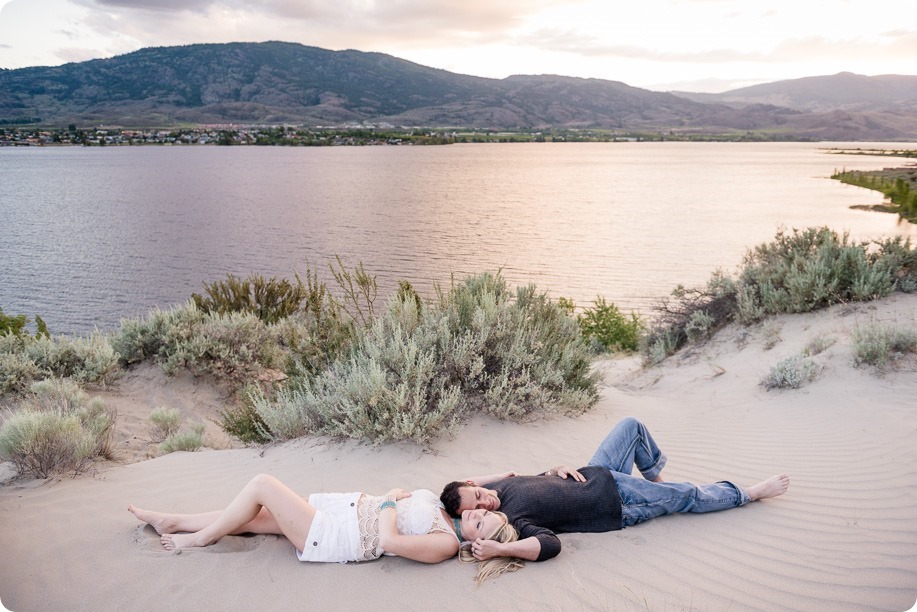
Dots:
{"x": 428, "y": 548}
{"x": 486, "y": 480}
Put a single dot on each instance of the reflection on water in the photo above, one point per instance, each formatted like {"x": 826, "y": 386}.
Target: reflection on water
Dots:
{"x": 88, "y": 236}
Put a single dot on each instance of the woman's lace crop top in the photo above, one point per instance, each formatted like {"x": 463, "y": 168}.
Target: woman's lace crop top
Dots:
{"x": 418, "y": 514}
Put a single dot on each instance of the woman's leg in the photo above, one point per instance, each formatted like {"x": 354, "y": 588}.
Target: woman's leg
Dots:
{"x": 629, "y": 444}
{"x": 164, "y": 522}
{"x": 291, "y": 512}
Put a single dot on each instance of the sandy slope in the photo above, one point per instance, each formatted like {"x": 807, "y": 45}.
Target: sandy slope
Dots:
{"x": 843, "y": 538}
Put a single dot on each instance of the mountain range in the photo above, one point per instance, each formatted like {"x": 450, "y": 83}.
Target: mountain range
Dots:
{"x": 278, "y": 82}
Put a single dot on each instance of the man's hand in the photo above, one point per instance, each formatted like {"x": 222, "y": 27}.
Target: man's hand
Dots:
{"x": 529, "y": 548}
{"x": 485, "y": 549}
{"x": 563, "y": 471}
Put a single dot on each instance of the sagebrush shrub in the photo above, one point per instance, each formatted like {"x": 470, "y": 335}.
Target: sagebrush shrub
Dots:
{"x": 164, "y": 422}
{"x": 699, "y": 326}
{"x": 798, "y": 271}
{"x": 704, "y": 310}
{"x": 187, "y": 440}
{"x": 818, "y": 344}
{"x": 878, "y": 344}
{"x": 57, "y": 429}
{"x": 791, "y": 373}
{"x": 17, "y": 372}
{"x": 84, "y": 359}
{"x": 234, "y": 346}
{"x": 417, "y": 369}
{"x": 813, "y": 268}
{"x": 25, "y": 359}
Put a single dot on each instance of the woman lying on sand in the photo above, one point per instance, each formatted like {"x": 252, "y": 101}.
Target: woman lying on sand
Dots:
{"x": 341, "y": 527}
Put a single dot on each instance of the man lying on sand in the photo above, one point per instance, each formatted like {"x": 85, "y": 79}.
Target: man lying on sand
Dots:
{"x": 600, "y": 497}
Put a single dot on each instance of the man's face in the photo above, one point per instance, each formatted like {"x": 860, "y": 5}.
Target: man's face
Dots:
{"x": 475, "y": 498}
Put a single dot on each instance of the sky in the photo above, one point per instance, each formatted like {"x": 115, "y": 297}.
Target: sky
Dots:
{"x": 662, "y": 45}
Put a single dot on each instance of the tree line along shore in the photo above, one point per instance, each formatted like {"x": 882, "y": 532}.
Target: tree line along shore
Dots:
{"x": 898, "y": 185}
{"x": 357, "y": 135}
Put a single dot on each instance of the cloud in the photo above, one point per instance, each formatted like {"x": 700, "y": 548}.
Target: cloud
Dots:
{"x": 390, "y": 26}
{"x": 78, "y": 54}
{"x": 474, "y": 15}
{"x": 156, "y": 5}
{"x": 903, "y": 45}
{"x": 567, "y": 41}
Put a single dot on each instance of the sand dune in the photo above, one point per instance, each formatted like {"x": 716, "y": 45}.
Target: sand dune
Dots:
{"x": 843, "y": 538}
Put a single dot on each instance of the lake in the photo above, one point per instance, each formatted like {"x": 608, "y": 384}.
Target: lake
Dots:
{"x": 92, "y": 235}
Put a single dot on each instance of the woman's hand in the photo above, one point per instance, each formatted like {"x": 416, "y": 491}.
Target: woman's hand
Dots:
{"x": 398, "y": 494}
{"x": 510, "y": 474}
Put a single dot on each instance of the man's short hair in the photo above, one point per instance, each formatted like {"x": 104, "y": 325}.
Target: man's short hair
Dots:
{"x": 451, "y": 498}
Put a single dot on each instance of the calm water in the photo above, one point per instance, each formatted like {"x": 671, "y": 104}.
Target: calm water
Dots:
{"x": 88, "y": 236}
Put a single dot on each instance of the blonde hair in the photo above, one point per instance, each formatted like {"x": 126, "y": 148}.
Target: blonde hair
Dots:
{"x": 498, "y": 565}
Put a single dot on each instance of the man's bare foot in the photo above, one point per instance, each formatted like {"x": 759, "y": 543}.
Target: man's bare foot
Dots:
{"x": 772, "y": 487}
{"x": 657, "y": 479}
{"x": 174, "y": 541}
{"x": 162, "y": 523}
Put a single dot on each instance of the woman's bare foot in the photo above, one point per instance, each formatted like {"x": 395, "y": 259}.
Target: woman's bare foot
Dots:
{"x": 162, "y": 523}
{"x": 174, "y": 541}
{"x": 772, "y": 487}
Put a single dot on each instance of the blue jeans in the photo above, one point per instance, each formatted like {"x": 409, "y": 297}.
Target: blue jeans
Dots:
{"x": 630, "y": 444}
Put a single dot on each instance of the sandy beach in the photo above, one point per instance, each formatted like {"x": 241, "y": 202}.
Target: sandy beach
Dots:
{"x": 843, "y": 538}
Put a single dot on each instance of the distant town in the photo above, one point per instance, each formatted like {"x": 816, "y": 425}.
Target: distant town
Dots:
{"x": 288, "y": 135}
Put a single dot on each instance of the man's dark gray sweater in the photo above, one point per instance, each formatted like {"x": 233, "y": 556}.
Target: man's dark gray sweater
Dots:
{"x": 540, "y": 505}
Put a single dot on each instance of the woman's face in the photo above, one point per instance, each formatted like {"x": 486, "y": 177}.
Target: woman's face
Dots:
{"x": 479, "y": 524}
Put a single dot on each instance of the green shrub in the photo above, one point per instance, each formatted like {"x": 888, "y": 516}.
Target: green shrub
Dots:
{"x": 608, "y": 327}
{"x": 315, "y": 336}
{"x": 164, "y": 422}
{"x": 242, "y": 421}
{"x": 878, "y": 344}
{"x": 57, "y": 429}
{"x": 15, "y": 325}
{"x": 268, "y": 299}
{"x": 360, "y": 291}
{"x": 791, "y": 373}
{"x": 187, "y": 440}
